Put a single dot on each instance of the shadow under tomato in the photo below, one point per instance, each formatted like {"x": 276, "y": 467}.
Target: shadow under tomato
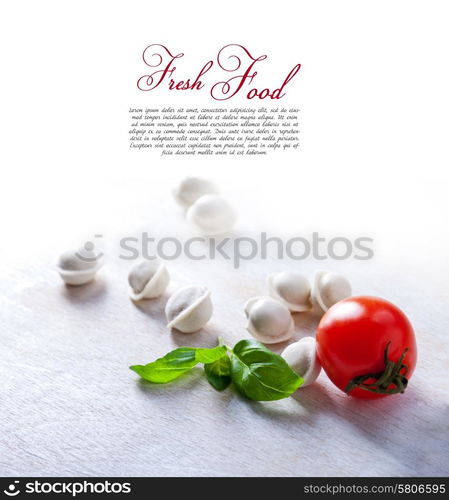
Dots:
{"x": 394, "y": 424}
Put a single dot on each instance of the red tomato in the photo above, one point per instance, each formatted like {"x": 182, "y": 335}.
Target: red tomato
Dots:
{"x": 367, "y": 347}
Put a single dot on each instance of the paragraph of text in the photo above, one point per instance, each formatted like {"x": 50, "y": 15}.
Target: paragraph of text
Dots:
{"x": 214, "y": 131}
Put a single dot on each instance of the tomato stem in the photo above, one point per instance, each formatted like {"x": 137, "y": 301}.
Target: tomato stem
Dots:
{"x": 394, "y": 375}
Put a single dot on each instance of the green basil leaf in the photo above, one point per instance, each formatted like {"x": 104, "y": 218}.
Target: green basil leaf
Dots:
{"x": 209, "y": 355}
{"x": 176, "y": 363}
{"x": 260, "y": 374}
{"x": 219, "y": 373}
{"x": 168, "y": 368}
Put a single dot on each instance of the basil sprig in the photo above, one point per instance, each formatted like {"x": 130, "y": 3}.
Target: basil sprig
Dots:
{"x": 256, "y": 372}
{"x": 176, "y": 363}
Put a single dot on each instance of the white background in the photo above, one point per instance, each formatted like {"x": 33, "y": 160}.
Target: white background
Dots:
{"x": 373, "y": 96}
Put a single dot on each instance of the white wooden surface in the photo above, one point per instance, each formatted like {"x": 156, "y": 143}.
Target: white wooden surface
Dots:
{"x": 71, "y": 406}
